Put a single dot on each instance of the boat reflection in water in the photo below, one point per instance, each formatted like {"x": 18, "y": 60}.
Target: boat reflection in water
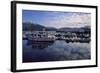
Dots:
{"x": 41, "y": 45}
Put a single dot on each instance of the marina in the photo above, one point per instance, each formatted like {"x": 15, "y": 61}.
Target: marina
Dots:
{"x": 56, "y": 36}
{"x": 49, "y": 36}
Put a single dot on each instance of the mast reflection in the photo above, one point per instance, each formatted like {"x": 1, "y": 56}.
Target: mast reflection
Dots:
{"x": 40, "y": 45}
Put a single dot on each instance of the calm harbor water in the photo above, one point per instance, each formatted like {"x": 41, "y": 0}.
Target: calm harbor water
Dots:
{"x": 55, "y": 51}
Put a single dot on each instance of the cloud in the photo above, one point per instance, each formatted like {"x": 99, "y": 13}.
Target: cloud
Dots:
{"x": 68, "y": 20}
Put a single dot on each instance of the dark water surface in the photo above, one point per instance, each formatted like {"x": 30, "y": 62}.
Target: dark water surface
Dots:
{"x": 55, "y": 51}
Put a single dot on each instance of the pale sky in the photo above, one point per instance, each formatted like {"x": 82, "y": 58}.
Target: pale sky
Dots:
{"x": 57, "y": 19}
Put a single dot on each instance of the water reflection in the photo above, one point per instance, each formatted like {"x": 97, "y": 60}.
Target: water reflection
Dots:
{"x": 41, "y": 45}
{"x": 54, "y": 51}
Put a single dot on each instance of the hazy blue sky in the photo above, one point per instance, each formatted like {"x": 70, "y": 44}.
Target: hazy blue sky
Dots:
{"x": 57, "y": 19}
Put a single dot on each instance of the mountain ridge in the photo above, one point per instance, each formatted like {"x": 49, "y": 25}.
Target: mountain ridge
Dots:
{"x": 36, "y": 27}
